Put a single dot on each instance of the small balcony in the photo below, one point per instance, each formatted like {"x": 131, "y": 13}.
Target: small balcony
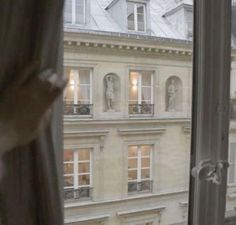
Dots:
{"x": 78, "y": 109}
{"x": 143, "y": 186}
{"x": 83, "y": 193}
{"x": 141, "y": 109}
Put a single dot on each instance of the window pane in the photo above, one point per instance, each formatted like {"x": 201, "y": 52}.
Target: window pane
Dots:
{"x": 83, "y": 94}
{"x": 68, "y": 11}
{"x": 133, "y": 151}
{"x": 84, "y": 154}
{"x": 84, "y": 167}
{"x": 68, "y": 155}
{"x": 68, "y": 168}
{"x": 130, "y": 14}
{"x": 132, "y": 163}
{"x": 146, "y": 78}
{"x": 133, "y": 95}
{"x": 146, "y": 94}
{"x": 132, "y": 175}
{"x": 68, "y": 181}
{"x": 145, "y": 162}
{"x": 145, "y": 173}
{"x": 80, "y": 11}
{"x": 145, "y": 150}
{"x": 84, "y": 180}
{"x": 84, "y": 76}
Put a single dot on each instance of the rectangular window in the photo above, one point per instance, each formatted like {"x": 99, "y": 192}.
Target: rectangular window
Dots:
{"x": 75, "y": 12}
{"x": 139, "y": 168}
{"x": 232, "y": 162}
{"x": 136, "y": 16}
{"x": 78, "y": 94}
{"x": 141, "y": 92}
{"x": 77, "y": 174}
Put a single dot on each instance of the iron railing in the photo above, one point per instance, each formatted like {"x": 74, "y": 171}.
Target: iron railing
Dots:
{"x": 143, "y": 186}
{"x": 78, "y": 109}
{"x": 82, "y": 193}
{"x": 141, "y": 109}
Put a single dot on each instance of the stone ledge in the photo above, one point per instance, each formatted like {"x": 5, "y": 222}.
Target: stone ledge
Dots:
{"x": 142, "y": 131}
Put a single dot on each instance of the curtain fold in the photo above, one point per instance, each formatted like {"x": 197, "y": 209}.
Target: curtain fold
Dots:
{"x": 30, "y": 190}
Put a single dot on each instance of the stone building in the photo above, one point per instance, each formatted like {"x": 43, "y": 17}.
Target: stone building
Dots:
{"x": 128, "y": 111}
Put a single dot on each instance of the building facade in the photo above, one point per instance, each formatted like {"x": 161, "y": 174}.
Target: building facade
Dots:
{"x": 128, "y": 112}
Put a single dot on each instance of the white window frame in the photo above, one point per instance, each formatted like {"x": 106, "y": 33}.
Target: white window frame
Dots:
{"x": 139, "y": 86}
{"x": 76, "y": 173}
{"x": 139, "y": 162}
{"x": 73, "y": 14}
{"x": 136, "y": 17}
{"x": 76, "y": 80}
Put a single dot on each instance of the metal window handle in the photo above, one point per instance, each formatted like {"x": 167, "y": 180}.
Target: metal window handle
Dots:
{"x": 209, "y": 171}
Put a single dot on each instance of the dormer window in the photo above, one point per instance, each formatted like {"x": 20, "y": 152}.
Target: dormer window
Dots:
{"x": 75, "y": 12}
{"x": 136, "y": 16}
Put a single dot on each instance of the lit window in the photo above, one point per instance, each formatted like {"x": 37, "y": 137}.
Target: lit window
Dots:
{"x": 232, "y": 162}
{"x": 139, "y": 168}
{"x": 136, "y": 16}
{"x": 141, "y": 92}
{"x": 75, "y": 11}
{"x": 78, "y": 96}
{"x": 77, "y": 174}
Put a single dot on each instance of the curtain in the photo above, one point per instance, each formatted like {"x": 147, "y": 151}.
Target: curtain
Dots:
{"x": 30, "y": 190}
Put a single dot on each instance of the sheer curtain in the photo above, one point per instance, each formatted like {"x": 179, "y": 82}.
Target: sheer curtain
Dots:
{"x": 30, "y": 191}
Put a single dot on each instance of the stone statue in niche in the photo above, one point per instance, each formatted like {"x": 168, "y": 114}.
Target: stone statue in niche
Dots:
{"x": 171, "y": 96}
{"x": 110, "y": 89}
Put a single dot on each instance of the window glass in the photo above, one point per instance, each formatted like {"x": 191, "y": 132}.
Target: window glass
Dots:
{"x": 130, "y": 13}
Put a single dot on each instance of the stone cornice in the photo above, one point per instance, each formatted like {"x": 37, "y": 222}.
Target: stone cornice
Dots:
{"x": 141, "y": 131}
{"x": 150, "y": 210}
{"x": 85, "y": 133}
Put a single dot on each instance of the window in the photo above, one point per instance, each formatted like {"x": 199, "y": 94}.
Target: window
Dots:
{"x": 232, "y": 162}
{"x": 77, "y": 174}
{"x": 139, "y": 168}
{"x": 75, "y": 11}
{"x": 78, "y": 94}
{"x": 136, "y": 16}
{"x": 141, "y": 92}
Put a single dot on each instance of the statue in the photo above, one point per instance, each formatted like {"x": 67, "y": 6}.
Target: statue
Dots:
{"x": 171, "y": 96}
{"x": 110, "y": 83}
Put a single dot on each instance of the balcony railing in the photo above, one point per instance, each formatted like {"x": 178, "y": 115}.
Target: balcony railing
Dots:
{"x": 143, "y": 186}
{"x": 83, "y": 193}
{"x": 78, "y": 109}
{"x": 139, "y": 109}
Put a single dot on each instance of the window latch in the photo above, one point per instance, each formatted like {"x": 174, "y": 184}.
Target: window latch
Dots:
{"x": 210, "y": 171}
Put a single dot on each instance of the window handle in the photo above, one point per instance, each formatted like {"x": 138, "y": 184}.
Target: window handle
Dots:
{"x": 210, "y": 171}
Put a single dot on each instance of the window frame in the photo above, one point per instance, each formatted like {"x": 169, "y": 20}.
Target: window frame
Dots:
{"x": 135, "y": 4}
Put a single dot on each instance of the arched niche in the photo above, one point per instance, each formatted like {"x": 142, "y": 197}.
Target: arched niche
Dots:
{"x": 111, "y": 90}
{"x": 174, "y": 94}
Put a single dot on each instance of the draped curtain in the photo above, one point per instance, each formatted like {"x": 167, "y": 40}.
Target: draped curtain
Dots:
{"x": 30, "y": 192}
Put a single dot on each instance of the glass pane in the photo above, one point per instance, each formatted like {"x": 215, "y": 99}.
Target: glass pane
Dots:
{"x": 146, "y": 78}
{"x": 84, "y": 167}
{"x": 133, "y": 151}
{"x": 84, "y": 154}
{"x": 68, "y": 155}
{"x": 133, "y": 95}
{"x": 80, "y": 11}
{"x": 68, "y": 181}
{"x": 84, "y": 180}
{"x": 84, "y": 76}
{"x": 130, "y": 15}
{"x": 132, "y": 163}
{"x": 145, "y": 162}
{"x": 132, "y": 174}
{"x": 68, "y": 168}
{"x": 83, "y": 94}
{"x": 146, "y": 94}
{"x": 68, "y": 11}
{"x": 134, "y": 78}
{"x": 145, "y": 150}
{"x": 145, "y": 173}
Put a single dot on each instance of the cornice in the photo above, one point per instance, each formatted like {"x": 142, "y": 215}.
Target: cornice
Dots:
{"x": 85, "y": 133}
{"x": 142, "y": 131}
{"x": 83, "y": 220}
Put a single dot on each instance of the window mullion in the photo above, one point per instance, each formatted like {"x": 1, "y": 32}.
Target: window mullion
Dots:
{"x": 139, "y": 164}
{"x": 139, "y": 88}
{"x": 135, "y": 18}
{"x": 76, "y": 161}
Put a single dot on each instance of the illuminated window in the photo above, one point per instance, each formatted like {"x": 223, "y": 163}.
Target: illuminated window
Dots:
{"x": 136, "y": 16}
{"x": 139, "y": 168}
{"x": 77, "y": 174}
{"x": 75, "y": 11}
{"x": 141, "y": 92}
{"x": 78, "y": 94}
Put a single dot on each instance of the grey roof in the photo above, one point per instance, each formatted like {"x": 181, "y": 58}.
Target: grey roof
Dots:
{"x": 102, "y": 20}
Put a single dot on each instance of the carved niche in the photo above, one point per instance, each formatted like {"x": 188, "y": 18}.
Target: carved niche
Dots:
{"x": 111, "y": 89}
{"x": 174, "y": 98}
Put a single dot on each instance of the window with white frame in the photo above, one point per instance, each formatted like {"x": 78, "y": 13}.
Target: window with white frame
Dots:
{"x": 136, "y": 16}
{"x": 75, "y": 11}
{"x": 77, "y": 174}
{"x": 232, "y": 162}
{"x": 78, "y": 94}
{"x": 141, "y": 92}
{"x": 139, "y": 168}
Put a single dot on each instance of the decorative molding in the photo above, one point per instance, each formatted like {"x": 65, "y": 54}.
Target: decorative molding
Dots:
{"x": 141, "y": 131}
{"x": 86, "y": 220}
{"x": 85, "y": 133}
{"x": 129, "y": 213}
